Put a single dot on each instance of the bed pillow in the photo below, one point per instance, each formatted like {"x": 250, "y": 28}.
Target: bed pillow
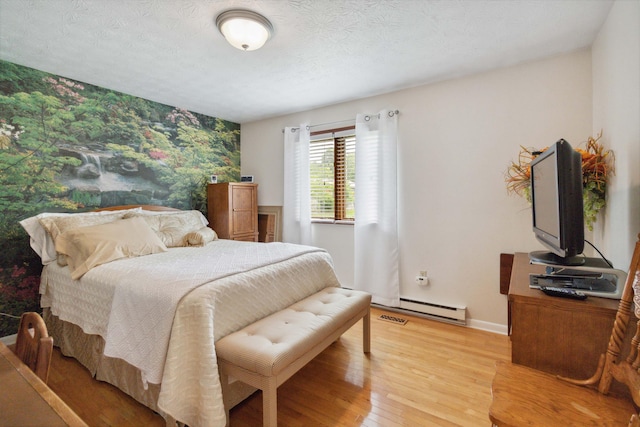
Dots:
{"x": 172, "y": 227}
{"x": 88, "y": 247}
{"x": 203, "y": 219}
{"x": 201, "y": 237}
{"x": 55, "y": 226}
{"x": 41, "y": 241}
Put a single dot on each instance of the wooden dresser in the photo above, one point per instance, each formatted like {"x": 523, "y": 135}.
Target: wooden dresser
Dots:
{"x": 233, "y": 210}
{"x": 556, "y": 335}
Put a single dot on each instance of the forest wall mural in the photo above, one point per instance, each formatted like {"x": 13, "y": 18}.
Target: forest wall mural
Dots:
{"x": 67, "y": 146}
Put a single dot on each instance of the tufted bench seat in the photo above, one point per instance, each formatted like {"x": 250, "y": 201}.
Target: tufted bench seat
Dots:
{"x": 268, "y": 352}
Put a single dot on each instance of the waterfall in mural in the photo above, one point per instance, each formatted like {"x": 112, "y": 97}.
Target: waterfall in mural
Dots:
{"x": 90, "y": 168}
{"x": 104, "y": 173}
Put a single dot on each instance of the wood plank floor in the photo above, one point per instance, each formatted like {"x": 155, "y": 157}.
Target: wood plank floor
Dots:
{"x": 423, "y": 373}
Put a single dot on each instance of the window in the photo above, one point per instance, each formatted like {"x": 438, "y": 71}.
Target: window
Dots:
{"x": 332, "y": 161}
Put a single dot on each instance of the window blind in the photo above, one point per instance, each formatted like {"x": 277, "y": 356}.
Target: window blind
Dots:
{"x": 321, "y": 164}
{"x": 332, "y": 172}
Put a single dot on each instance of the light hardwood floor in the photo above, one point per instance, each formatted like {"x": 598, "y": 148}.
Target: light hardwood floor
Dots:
{"x": 423, "y": 373}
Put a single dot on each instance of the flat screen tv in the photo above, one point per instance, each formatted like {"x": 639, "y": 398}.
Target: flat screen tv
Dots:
{"x": 556, "y": 198}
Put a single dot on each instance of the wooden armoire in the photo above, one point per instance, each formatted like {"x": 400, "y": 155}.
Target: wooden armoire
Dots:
{"x": 233, "y": 210}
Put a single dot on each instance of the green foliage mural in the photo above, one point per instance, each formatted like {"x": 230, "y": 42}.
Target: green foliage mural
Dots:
{"x": 66, "y": 146}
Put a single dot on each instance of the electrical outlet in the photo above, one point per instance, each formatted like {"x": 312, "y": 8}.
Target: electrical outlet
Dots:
{"x": 422, "y": 280}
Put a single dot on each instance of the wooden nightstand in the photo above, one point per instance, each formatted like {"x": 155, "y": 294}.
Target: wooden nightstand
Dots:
{"x": 556, "y": 335}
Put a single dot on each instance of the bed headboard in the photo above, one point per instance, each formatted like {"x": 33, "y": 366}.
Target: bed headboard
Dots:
{"x": 144, "y": 207}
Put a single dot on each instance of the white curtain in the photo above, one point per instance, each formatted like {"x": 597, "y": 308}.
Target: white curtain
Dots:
{"x": 296, "y": 211}
{"x": 376, "y": 225}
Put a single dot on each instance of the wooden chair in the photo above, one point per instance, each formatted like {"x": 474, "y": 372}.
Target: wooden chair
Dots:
{"x": 34, "y": 346}
{"x": 524, "y": 396}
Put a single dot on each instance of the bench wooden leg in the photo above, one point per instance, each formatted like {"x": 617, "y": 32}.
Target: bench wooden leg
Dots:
{"x": 224, "y": 383}
{"x": 366, "y": 332}
{"x": 270, "y": 404}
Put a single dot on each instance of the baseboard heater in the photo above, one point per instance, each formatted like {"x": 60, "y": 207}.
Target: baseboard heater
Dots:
{"x": 443, "y": 313}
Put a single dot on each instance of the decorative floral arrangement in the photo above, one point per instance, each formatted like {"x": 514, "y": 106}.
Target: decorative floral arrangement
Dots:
{"x": 597, "y": 167}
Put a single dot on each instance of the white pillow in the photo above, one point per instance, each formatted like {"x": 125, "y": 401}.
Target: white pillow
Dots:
{"x": 172, "y": 227}
{"x": 88, "y": 247}
{"x": 200, "y": 237}
{"x": 42, "y": 242}
{"x": 197, "y": 213}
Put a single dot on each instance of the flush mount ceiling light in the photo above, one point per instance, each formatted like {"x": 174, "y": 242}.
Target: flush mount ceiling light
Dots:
{"x": 244, "y": 29}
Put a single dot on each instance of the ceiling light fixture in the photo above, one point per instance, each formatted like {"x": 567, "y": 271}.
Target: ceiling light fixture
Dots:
{"x": 244, "y": 29}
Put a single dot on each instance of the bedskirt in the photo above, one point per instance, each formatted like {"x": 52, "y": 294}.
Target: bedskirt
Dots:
{"x": 88, "y": 350}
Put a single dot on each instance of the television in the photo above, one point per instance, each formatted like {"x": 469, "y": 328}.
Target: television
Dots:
{"x": 556, "y": 199}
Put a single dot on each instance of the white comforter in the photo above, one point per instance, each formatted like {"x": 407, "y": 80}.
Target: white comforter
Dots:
{"x": 163, "y": 313}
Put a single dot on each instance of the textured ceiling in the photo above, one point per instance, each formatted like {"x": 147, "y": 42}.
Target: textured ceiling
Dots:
{"x": 323, "y": 51}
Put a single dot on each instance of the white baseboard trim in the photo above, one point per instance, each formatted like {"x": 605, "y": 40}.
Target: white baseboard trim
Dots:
{"x": 488, "y": 326}
{"x": 496, "y": 328}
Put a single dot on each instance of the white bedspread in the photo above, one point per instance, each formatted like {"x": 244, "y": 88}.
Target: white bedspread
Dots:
{"x": 193, "y": 296}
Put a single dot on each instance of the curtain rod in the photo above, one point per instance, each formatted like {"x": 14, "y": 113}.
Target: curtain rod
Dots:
{"x": 323, "y": 124}
{"x": 390, "y": 113}
{"x": 332, "y": 123}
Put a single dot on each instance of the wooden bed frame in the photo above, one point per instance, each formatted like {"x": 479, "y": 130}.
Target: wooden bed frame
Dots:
{"x": 143, "y": 207}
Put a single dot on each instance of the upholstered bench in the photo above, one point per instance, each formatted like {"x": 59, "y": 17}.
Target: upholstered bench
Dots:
{"x": 268, "y": 352}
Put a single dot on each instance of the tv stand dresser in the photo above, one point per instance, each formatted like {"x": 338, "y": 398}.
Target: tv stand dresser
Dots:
{"x": 557, "y": 335}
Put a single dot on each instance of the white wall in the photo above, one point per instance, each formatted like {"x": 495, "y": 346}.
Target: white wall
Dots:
{"x": 616, "y": 110}
{"x": 456, "y": 140}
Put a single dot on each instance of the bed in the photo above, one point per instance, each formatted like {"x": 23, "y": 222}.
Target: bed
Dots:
{"x": 140, "y": 297}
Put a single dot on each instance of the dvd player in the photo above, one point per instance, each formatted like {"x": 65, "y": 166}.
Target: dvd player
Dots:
{"x": 592, "y": 278}
{"x": 597, "y": 284}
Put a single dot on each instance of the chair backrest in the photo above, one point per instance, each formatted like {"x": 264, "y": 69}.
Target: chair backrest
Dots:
{"x": 625, "y": 371}
{"x": 34, "y": 346}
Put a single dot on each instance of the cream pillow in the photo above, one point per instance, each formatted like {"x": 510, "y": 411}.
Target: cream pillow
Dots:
{"x": 88, "y": 247}
{"x": 40, "y": 239}
{"x": 58, "y": 225}
{"x": 172, "y": 227}
{"x": 201, "y": 237}
{"x": 197, "y": 213}
{"x": 55, "y": 226}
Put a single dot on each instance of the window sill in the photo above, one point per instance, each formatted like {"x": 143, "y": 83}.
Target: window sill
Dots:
{"x": 333, "y": 221}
